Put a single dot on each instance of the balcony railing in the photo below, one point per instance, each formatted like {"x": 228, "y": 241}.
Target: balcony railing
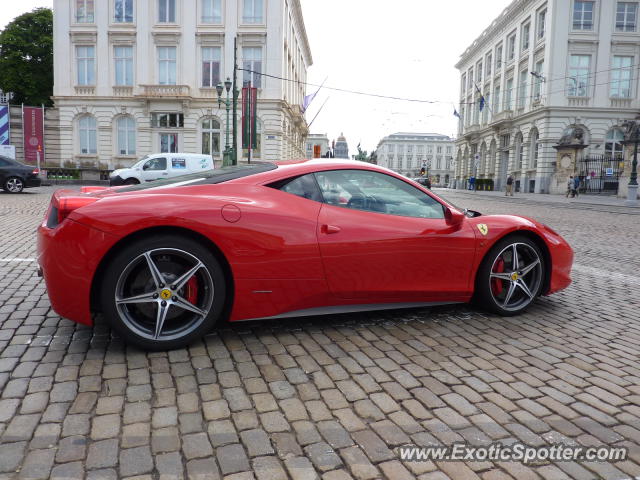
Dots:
{"x": 578, "y": 101}
{"x": 502, "y": 117}
{"x": 122, "y": 91}
{"x": 621, "y": 102}
{"x": 165, "y": 90}
{"x": 85, "y": 90}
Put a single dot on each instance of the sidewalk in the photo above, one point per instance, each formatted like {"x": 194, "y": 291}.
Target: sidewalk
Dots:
{"x": 608, "y": 200}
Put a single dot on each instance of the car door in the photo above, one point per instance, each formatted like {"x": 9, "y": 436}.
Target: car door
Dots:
{"x": 154, "y": 169}
{"x": 382, "y": 237}
{"x": 4, "y": 168}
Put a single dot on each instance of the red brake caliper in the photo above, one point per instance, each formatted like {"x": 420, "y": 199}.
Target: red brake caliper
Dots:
{"x": 496, "y": 283}
{"x": 191, "y": 290}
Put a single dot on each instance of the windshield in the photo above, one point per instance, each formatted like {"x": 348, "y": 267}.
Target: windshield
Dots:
{"x": 139, "y": 163}
{"x": 219, "y": 175}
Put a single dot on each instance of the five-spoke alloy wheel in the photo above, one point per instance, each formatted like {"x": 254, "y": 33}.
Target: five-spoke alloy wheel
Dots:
{"x": 511, "y": 276}
{"x": 162, "y": 293}
{"x": 14, "y": 185}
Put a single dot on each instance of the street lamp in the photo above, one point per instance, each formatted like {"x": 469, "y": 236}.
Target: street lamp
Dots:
{"x": 633, "y": 136}
{"x": 227, "y": 156}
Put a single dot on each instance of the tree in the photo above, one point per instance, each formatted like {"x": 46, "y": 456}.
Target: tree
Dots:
{"x": 26, "y": 57}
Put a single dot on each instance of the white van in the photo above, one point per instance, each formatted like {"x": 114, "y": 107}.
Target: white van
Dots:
{"x": 161, "y": 165}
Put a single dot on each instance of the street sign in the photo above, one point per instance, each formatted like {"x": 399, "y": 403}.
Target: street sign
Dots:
{"x": 609, "y": 172}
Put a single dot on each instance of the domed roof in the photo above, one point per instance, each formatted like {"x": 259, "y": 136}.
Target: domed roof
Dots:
{"x": 341, "y": 138}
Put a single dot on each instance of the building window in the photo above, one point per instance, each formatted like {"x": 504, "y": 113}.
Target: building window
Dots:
{"x": 85, "y": 63}
{"x": 613, "y": 146}
{"x": 578, "y": 81}
{"x": 488, "y": 65}
{"x": 582, "y": 15}
{"x": 485, "y": 110}
{"x": 626, "y": 16}
{"x": 124, "y": 65}
{"x": 542, "y": 24}
{"x": 87, "y": 129}
{"x": 621, "y": 77}
{"x": 498, "y": 58}
{"x": 169, "y": 143}
{"x": 211, "y": 136}
{"x": 123, "y": 11}
{"x": 166, "y": 11}
{"x": 167, "y": 65}
{"x": 519, "y": 152}
{"x": 537, "y": 84}
{"x": 479, "y": 72}
{"x": 508, "y": 95}
{"x": 470, "y": 78}
{"x": 85, "y": 11}
{"x": 511, "y": 47}
{"x": 126, "y": 136}
{"x": 252, "y": 11}
{"x": 211, "y": 66}
{"x": 252, "y": 64}
{"x": 463, "y": 82}
{"x": 167, "y": 120}
{"x": 535, "y": 148}
{"x": 496, "y": 100}
{"x": 522, "y": 89}
{"x": 211, "y": 11}
{"x": 525, "y": 34}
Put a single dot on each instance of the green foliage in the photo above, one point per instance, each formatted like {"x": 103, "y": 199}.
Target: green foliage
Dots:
{"x": 26, "y": 57}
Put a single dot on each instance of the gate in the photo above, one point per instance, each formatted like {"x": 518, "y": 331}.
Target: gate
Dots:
{"x": 600, "y": 173}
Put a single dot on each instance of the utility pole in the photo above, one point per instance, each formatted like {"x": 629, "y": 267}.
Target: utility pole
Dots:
{"x": 234, "y": 151}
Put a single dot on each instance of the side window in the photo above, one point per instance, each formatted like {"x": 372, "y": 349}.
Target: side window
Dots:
{"x": 304, "y": 186}
{"x": 156, "y": 164}
{"x": 376, "y": 192}
{"x": 3, "y": 163}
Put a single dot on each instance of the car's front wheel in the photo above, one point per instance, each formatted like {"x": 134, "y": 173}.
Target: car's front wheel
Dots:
{"x": 13, "y": 185}
{"x": 511, "y": 276}
{"x": 163, "y": 292}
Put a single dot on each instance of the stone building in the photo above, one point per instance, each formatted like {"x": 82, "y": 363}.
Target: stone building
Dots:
{"x": 341, "y": 148}
{"x": 408, "y": 153}
{"x": 545, "y": 67}
{"x": 313, "y": 139}
{"x": 133, "y": 77}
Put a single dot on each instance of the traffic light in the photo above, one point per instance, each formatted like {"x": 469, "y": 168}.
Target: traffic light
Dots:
{"x": 422, "y": 171}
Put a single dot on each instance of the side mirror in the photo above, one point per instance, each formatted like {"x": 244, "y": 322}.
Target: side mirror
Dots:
{"x": 453, "y": 217}
{"x": 146, "y": 167}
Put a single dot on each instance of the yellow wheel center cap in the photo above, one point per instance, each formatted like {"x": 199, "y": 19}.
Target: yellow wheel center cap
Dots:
{"x": 514, "y": 276}
{"x": 165, "y": 294}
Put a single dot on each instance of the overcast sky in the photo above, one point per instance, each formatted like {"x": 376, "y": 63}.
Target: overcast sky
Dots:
{"x": 404, "y": 48}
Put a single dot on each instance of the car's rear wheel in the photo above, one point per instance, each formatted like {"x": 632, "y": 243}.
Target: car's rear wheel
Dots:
{"x": 163, "y": 292}
{"x": 511, "y": 276}
{"x": 131, "y": 181}
{"x": 13, "y": 185}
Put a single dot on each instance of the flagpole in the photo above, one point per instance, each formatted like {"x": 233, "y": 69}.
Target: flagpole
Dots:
{"x": 24, "y": 148}
{"x": 314, "y": 118}
{"x": 44, "y": 154}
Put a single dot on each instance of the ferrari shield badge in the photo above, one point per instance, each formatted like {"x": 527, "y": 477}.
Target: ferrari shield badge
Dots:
{"x": 483, "y": 228}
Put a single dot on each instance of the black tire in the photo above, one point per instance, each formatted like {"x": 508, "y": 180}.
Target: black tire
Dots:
{"x": 492, "y": 292}
{"x": 13, "y": 185}
{"x": 131, "y": 181}
{"x": 129, "y": 275}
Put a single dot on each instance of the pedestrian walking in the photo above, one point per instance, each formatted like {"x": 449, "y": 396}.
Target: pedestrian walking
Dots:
{"x": 472, "y": 184}
{"x": 509, "y": 190}
{"x": 570, "y": 186}
{"x": 576, "y": 185}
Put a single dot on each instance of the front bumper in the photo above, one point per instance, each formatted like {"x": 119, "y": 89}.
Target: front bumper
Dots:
{"x": 116, "y": 181}
{"x": 68, "y": 256}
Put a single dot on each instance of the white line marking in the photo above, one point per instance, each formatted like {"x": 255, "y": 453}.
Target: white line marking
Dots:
{"x": 17, "y": 259}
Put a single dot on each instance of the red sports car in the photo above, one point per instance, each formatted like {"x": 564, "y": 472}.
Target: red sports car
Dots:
{"x": 167, "y": 260}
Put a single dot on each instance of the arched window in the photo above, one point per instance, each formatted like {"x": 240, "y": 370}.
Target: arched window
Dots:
{"x": 126, "y": 135}
{"x": 211, "y": 136}
{"x": 87, "y": 131}
{"x": 535, "y": 148}
{"x": 613, "y": 145}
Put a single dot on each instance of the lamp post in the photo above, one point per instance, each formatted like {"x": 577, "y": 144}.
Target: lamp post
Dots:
{"x": 227, "y": 154}
{"x": 633, "y": 136}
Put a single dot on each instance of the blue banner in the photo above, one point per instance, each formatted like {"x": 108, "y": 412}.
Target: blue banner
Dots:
{"x": 4, "y": 125}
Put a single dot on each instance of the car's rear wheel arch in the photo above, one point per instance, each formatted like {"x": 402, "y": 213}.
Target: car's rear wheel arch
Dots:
{"x": 540, "y": 243}
{"x": 153, "y": 232}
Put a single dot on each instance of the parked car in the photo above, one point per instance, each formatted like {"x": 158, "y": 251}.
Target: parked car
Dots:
{"x": 159, "y": 166}
{"x": 16, "y": 176}
{"x": 165, "y": 261}
{"x": 424, "y": 181}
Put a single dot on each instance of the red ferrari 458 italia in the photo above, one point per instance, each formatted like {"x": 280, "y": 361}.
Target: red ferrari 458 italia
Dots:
{"x": 167, "y": 260}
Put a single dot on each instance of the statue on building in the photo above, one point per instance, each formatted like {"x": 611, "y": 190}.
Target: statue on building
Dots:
{"x": 571, "y": 136}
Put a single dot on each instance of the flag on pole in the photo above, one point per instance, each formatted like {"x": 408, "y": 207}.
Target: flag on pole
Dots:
{"x": 309, "y": 98}
{"x": 482, "y": 101}
{"x": 456, "y": 114}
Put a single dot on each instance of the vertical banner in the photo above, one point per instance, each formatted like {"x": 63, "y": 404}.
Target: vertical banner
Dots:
{"x": 33, "y": 127}
{"x": 4, "y": 124}
{"x": 249, "y": 108}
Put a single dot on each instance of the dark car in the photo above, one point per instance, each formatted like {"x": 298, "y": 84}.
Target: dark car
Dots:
{"x": 16, "y": 176}
{"x": 426, "y": 182}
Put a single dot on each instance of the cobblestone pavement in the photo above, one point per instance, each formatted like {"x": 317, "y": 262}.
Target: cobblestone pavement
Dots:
{"x": 328, "y": 397}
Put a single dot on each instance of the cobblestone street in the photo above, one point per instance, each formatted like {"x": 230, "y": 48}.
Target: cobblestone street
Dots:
{"x": 330, "y": 397}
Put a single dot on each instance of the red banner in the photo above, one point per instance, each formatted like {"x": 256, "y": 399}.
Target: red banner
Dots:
{"x": 249, "y": 107}
{"x": 33, "y": 128}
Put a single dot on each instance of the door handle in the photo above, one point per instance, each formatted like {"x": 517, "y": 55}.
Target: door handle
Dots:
{"x": 165, "y": 173}
{"x": 329, "y": 229}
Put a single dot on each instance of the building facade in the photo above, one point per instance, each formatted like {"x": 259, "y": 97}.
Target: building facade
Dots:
{"x": 5, "y": 97}
{"x": 408, "y": 153}
{"x": 545, "y": 67}
{"x": 341, "y": 148}
{"x": 133, "y": 77}
{"x": 314, "y": 139}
